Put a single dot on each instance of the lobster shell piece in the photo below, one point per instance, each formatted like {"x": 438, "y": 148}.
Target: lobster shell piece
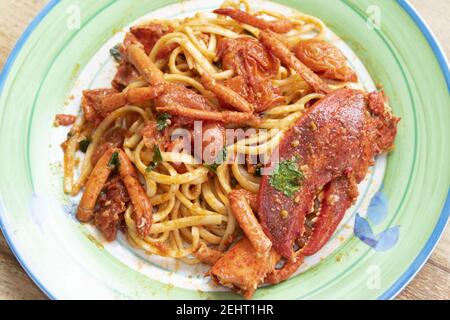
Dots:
{"x": 337, "y": 138}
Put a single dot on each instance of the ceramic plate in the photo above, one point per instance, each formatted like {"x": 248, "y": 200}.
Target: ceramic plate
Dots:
{"x": 402, "y": 201}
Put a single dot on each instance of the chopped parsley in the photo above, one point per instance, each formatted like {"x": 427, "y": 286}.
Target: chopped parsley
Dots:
{"x": 84, "y": 145}
{"x": 157, "y": 159}
{"x": 220, "y": 159}
{"x": 115, "y": 52}
{"x": 114, "y": 162}
{"x": 287, "y": 177}
{"x": 162, "y": 121}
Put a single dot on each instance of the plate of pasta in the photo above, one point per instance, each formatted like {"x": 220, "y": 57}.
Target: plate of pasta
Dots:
{"x": 192, "y": 150}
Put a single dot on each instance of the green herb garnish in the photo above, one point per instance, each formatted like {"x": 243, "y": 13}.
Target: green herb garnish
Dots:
{"x": 84, "y": 144}
{"x": 287, "y": 177}
{"x": 162, "y": 121}
{"x": 114, "y": 162}
{"x": 220, "y": 159}
{"x": 115, "y": 52}
{"x": 157, "y": 159}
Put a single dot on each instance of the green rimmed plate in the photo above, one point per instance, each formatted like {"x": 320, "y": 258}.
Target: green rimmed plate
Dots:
{"x": 56, "y": 58}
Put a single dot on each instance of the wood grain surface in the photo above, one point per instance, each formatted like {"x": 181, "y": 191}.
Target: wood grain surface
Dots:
{"x": 432, "y": 282}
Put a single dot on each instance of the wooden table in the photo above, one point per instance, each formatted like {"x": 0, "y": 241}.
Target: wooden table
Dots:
{"x": 432, "y": 282}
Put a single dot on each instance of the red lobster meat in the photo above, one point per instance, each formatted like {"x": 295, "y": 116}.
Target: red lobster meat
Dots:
{"x": 335, "y": 143}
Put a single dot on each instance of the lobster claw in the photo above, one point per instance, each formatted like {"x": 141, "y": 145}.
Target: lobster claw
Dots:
{"x": 339, "y": 195}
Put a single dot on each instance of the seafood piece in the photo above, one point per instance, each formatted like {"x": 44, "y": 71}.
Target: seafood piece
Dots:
{"x": 324, "y": 59}
{"x": 282, "y": 274}
{"x": 142, "y": 213}
{"x": 337, "y": 138}
{"x": 282, "y": 52}
{"x": 207, "y": 255}
{"x": 64, "y": 120}
{"x": 247, "y": 221}
{"x": 176, "y": 99}
{"x": 255, "y": 69}
{"x": 138, "y": 57}
{"x": 241, "y": 269}
{"x": 149, "y": 34}
{"x": 125, "y": 75}
{"x": 93, "y": 187}
{"x": 247, "y": 57}
{"x": 339, "y": 195}
{"x": 175, "y": 93}
{"x": 220, "y": 116}
{"x": 91, "y": 104}
{"x": 153, "y": 137}
{"x": 227, "y": 95}
{"x": 133, "y": 96}
{"x": 213, "y": 140}
{"x": 110, "y": 208}
{"x": 146, "y": 35}
{"x": 113, "y": 138}
{"x": 165, "y": 94}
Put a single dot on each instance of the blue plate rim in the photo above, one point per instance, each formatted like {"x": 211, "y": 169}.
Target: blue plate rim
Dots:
{"x": 403, "y": 280}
